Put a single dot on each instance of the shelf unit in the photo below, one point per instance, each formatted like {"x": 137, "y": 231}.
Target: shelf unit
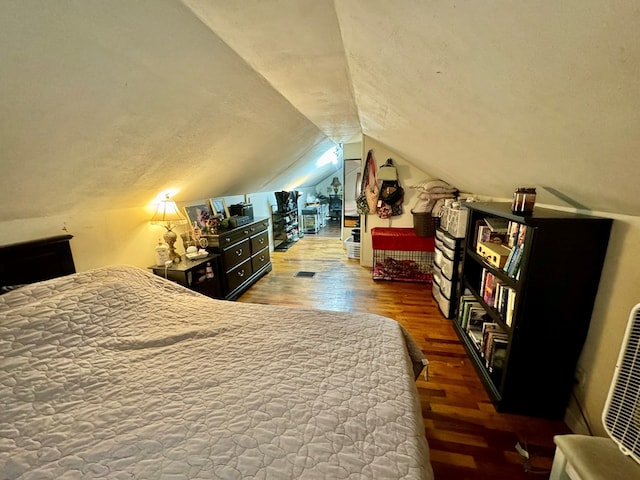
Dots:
{"x": 447, "y": 266}
{"x": 286, "y": 229}
{"x": 554, "y": 292}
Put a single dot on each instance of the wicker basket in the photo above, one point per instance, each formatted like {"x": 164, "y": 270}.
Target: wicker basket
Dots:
{"x": 424, "y": 224}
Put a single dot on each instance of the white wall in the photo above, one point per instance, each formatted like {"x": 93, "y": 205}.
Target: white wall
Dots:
{"x": 617, "y": 294}
{"x": 408, "y": 175}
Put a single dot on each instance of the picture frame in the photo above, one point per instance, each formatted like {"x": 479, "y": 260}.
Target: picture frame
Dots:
{"x": 219, "y": 207}
{"x": 199, "y": 212}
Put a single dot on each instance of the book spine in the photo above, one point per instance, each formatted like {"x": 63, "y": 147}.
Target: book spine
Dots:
{"x": 514, "y": 267}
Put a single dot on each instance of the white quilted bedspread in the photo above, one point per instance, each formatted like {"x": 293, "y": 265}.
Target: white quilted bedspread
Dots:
{"x": 116, "y": 373}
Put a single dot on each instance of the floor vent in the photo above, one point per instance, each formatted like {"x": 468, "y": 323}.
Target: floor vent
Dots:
{"x": 305, "y": 274}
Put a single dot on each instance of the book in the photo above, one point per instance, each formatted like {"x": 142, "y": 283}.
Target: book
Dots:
{"x": 498, "y": 355}
{"x": 509, "y": 259}
{"x": 488, "y": 328}
{"x": 487, "y": 292}
{"x": 477, "y": 317}
{"x": 485, "y": 234}
{"x": 479, "y": 223}
{"x": 522, "y": 235}
{"x": 464, "y": 298}
{"x": 514, "y": 266}
{"x": 464, "y": 323}
{"x": 492, "y": 338}
{"x": 497, "y": 224}
{"x": 512, "y": 233}
{"x": 511, "y": 300}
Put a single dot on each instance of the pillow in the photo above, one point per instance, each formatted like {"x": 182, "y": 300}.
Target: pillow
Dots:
{"x": 434, "y": 186}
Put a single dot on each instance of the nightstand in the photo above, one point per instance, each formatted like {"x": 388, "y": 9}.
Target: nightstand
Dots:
{"x": 193, "y": 274}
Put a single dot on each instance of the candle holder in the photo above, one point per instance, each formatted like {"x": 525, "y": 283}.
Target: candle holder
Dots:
{"x": 524, "y": 198}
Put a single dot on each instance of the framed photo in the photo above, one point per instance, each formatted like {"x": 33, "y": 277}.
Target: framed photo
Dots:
{"x": 200, "y": 213}
{"x": 219, "y": 207}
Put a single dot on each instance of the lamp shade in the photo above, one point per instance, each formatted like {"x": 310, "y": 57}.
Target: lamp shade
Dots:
{"x": 167, "y": 214}
{"x": 335, "y": 183}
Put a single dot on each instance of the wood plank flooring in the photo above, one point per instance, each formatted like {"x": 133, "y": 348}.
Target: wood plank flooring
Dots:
{"x": 468, "y": 439}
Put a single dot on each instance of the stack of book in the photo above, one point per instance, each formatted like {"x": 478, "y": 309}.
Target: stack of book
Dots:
{"x": 516, "y": 234}
{"x": 497, "y": 295}
{"x": 494, "y": 345}
{"x": 488, "y": 337}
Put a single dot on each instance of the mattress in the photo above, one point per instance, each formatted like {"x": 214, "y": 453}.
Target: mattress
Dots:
{"x": 117, "y": 373}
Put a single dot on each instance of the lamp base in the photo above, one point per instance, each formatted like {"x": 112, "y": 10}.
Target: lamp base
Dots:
{"x": 170, "y": 237}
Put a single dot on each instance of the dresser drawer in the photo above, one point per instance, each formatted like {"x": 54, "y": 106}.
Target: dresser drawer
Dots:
{"x": 446, "y": 240}
{"x": 239, "y": 275}
{"x": 445, "y": 249}
{"x": 447, "y": 267}
{"x": 444, "y": 304}
{"x": 437, "y": 278}
{"x": 446, "y": 287}
{"x": 258, "y": 242}
{"x": 258, "y": 226}
{"x": 236, "y": 254}
{"x": 229, "y": 238}
{"x": 260, "y": 259}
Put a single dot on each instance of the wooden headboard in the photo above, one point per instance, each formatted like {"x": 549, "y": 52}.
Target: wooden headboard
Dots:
{"x": 35, "y": 260}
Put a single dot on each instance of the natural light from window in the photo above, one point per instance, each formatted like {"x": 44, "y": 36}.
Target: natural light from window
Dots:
{"x": 330, "y": 156}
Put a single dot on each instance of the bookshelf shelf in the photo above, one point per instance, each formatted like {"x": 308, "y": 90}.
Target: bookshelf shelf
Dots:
{"x": 524, "y": 325}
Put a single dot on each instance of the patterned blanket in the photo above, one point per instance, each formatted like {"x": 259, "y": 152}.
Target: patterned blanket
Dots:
{"x": 117, "y": 373}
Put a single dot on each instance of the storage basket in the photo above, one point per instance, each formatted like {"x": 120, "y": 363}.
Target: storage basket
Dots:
{"x": 353, "y": 248}
{"x": 425, "y": 224}
{"x": 457, "y": 222}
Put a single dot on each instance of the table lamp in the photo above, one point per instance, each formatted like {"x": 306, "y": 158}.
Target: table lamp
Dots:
{"x": 168, "y": 215}
{"x": 335, "y": 184}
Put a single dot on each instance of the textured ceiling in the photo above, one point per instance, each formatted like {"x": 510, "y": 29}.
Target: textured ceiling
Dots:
{"x": 104, "y": 104}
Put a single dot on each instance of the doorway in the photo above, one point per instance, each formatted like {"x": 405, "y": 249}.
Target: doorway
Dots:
{"x": 351, "y": 189}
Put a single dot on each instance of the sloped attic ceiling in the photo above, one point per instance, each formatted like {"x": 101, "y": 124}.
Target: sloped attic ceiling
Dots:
{"x": 106, "y": 103}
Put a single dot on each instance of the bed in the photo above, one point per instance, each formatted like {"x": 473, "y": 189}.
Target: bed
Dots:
{"x": 118, "y": 373}
{"x": 351, "y": 215}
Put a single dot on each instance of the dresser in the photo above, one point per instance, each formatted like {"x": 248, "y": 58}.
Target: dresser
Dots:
{"x": 244, "y": 256}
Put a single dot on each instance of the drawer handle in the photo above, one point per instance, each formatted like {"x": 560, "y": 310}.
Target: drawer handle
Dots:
{"x": 239, "y": 252}
{"x": 241, "y": 273}
{"x": 227, "y": 239}
{"x": 261, "y": 241}
{"x": 262, "y": 258}
{"x": 246, "y": 232}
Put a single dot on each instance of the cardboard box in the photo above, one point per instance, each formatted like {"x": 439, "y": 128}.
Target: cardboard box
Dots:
{"x": 495, "y": 253}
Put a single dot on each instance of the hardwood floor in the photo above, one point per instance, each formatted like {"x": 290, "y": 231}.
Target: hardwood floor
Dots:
{"x": 468, "y": 439}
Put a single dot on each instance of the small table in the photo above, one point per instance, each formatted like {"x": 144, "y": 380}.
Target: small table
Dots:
{"x": 193, "y": 274}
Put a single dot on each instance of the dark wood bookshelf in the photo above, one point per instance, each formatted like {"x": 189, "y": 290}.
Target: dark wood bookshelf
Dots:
{"x": 555, "y": 290}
